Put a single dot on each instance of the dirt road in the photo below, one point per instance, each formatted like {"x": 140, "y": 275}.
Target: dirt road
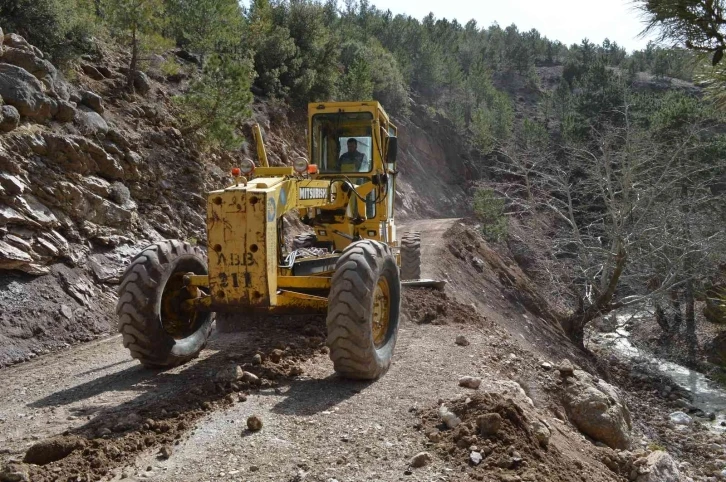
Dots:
{"x": 316, "y": 426}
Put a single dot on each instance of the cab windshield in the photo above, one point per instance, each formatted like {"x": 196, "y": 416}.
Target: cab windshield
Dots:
{"x": 342, "y": 142}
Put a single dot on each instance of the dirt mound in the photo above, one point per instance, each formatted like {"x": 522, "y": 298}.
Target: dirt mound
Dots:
{"x": 428, "y": 305}
{"x": 497, "y": 441}
{"x": 112, "y": 438}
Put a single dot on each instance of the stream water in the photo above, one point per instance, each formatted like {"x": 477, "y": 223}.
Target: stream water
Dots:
{"x": 706, "y": 395}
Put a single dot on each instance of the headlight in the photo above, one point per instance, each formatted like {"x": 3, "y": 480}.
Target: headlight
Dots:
{"x": 300, "y": 165}
{"x": 246, "y": 167}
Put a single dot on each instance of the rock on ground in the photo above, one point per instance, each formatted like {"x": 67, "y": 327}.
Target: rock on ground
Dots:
{"x": 660, "y": 467}
{"x": 15, "y": 472}
{"x": 470, "y": 382}
{"x": 47, "y": 451}
{"x": 421, "y": 459}
{"x": 489, "y": 424}
{"x": 9, "y": 118}
{"x": 254, "y": 423}
{"x": 596, "y": 409}
{"x": 22, "y": 90}
{"x": 680, "y": 418}
{"x": 448, "y": 417}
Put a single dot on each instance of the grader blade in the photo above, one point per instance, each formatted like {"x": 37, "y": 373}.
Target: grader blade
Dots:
{"x": 424, "y": 283}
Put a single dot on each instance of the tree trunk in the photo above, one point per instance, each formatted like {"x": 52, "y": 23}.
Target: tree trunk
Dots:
{"x": 691, "y": 338}
{"x": 574, "y": 325}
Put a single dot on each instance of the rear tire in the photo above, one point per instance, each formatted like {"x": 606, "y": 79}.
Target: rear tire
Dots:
{"x": 411, "y": 256}
{"x": 152, "y": 275}
{"x": 363, "y": 310}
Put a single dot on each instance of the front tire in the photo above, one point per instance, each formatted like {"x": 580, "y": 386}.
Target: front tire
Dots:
{"x": 155, "y": 329}
{"x": 363, "y": 310}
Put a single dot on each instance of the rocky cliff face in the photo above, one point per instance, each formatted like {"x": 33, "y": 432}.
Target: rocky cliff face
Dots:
{"x": 90, "y": 173}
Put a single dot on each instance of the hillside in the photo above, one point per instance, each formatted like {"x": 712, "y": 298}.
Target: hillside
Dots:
{"x": 505, "y": 141}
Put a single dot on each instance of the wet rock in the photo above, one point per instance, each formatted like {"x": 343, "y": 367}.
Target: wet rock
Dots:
{"x": 15, "y": 471}
{"x": 254, "y": 423}
{"x": 9, "y": 118}
{"x": 461, "y": 340}
{"x": 680, "y": 418}
{"x": 92, "y": 100}
{"x": 48, "y": 451}
{"x": 489, "y": 424}
{"x": 24, "y": 92}
{"x": 659, "y": 467}
{"x": 596, "y": 409}
{"x": 470, "y": 382}
{"x": 421, "y": 459}
{"x": 475, "y": 458}
{"x": 448, "y": 417}
{"x": 257, "y": 359}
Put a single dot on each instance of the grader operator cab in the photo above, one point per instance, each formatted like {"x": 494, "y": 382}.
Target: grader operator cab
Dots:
{"x": 349, "y": 267}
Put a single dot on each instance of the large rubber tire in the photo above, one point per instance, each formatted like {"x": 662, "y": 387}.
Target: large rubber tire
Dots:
{"x": 350, "y": 310}
{"x": 140, "y": 305}
{"x": 411, "y": 256}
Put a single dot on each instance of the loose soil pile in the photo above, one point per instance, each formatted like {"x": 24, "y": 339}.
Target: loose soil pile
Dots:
{"x": 115, "y": 438}
{"x": 428, "y": 305}
{"x": 505, "y": 437}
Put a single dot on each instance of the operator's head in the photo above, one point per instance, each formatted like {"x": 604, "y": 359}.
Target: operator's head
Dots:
{"x": 352, "y": 145}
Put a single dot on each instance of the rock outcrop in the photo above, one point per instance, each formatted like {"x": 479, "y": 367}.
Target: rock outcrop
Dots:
{"x": 596, "y": 409}
{"x": 659, "y": 467}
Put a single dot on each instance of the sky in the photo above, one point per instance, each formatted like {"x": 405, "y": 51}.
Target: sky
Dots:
{"x": 568, "y": 21}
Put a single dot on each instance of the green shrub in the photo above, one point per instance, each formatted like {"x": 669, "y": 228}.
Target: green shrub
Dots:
{"x": 170, "y": 67}
{"x": 489, "y": 209}
{"x": 60, "y": 28}
{"x": 218, "y": 101}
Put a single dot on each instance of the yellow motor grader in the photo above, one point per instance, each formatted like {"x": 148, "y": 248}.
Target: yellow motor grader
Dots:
{"x": 349, "y": 267}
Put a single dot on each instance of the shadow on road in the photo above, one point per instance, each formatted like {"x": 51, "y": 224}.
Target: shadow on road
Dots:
{"x": 131, "y": 378}
{"x": 311, "y": 396}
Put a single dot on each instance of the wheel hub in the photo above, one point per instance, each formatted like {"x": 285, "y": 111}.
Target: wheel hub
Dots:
{"x": 381, "y": 312}
{"x": 175, "y": 320}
